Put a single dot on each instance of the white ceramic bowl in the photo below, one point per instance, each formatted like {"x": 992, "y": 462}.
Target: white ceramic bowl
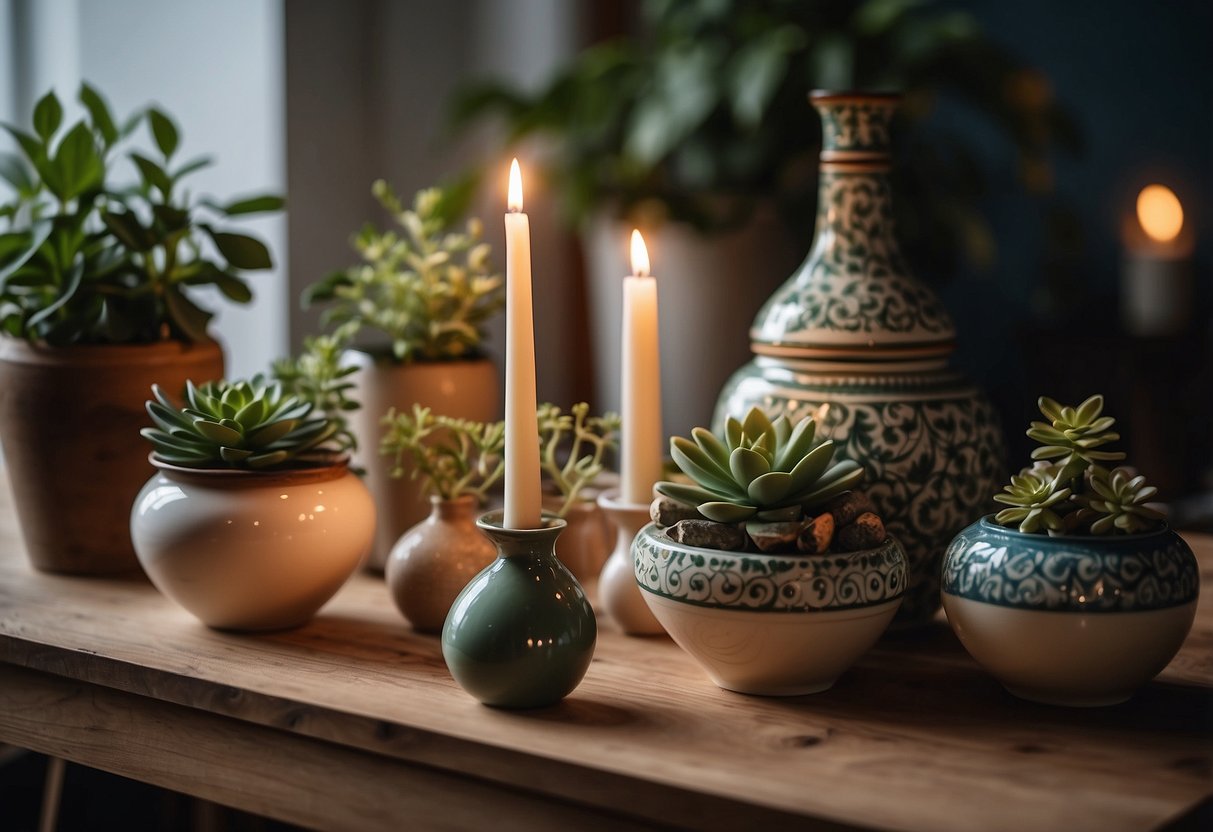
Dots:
{"x": 248, "y": 550}
{"x": 772, "y": 625}
{"x": 1079, "y": 621}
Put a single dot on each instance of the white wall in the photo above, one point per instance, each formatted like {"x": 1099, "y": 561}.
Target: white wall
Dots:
{"x": 217, "y": 67}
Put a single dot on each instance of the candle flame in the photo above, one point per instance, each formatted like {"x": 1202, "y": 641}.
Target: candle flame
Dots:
{"x": 514, "y": 199}
{"x": 640, "y": 255}
{"x": 1159, "y": 212}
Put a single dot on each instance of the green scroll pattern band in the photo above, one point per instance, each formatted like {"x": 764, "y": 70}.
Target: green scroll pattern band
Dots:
{"x": 767, "y": 583}
{"x": 858, "y": 125}
{"x": 1011, "y": 569}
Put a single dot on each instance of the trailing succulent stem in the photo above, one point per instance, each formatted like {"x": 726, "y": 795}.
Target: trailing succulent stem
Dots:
{"x": 452, "y": 457}
{"x": 1067, "y": 491}
{"x": 758, "y": 468}
{"x": 581, "y": 441}
{"x": 241, "y": 424}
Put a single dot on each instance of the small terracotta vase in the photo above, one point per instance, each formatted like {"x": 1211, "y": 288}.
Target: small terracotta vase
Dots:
{"x": 433, "y": 561}
{"x": 618, "y": 592}
{"x": 585, "y": 543}
{"x": 522, "y": 633}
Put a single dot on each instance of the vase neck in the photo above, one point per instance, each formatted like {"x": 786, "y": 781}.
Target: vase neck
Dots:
{"x": 459, "y": 509}
{"x": 855, "y": 126}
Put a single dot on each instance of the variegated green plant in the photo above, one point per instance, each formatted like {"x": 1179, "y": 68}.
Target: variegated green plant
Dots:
{"x": 758, "y": 469}
{"x": 240, "y": 424}
{"x": 1068, "y": 491}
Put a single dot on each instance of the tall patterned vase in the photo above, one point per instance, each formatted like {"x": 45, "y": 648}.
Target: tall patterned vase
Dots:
{"x": 854, "y": 330}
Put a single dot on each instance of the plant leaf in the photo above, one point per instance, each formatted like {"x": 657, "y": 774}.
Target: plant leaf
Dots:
{"x": 241, "y": 251}
{"x": 254, "y": 205}
{"x": 48, "y": 115}
{"x": 163, "y": 131}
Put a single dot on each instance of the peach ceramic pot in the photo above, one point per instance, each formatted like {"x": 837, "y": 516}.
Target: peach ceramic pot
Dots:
{"x": 461, "y": 389}
{"x": 1070, "y": 620}
{"x": 252, "y": 550}
{"x": 772, "y": 625}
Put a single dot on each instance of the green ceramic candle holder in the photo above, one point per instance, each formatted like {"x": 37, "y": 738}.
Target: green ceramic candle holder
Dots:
{"x": 522, "y": 633}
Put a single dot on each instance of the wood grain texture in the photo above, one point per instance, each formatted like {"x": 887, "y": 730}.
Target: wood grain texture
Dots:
{"x": 914, "y": 737}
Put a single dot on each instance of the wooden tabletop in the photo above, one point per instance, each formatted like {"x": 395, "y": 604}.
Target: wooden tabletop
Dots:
{"x": 352, "y": 722}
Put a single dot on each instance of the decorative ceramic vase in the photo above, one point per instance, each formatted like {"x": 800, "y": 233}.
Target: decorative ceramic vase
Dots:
{"x": 70, "y": 420}
{"x": 1070, "y": 620}
{"x": 854, "y": 330}
{"x": 585, "y": 543}
{"x": 433, "y": 561}
{"x": 522, "y": 633}
{"x": 461, "y": 389}
{"x": 252, "y": 550}
{"x": 618, "y": 592}
{"x": 772, "y": 625}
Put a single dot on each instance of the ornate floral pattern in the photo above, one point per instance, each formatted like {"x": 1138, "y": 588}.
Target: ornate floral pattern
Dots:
{"x": 766, "y": 583}
{"x": 856, "y": 124}
{"x": 1005, "y": 567}
{"x": 932, "y": 458}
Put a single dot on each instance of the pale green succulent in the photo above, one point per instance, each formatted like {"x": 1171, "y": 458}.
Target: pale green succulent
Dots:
{"x": 572, "y": 446}
{"x": 1073, "y": 435}
{"x": 1118, "y": 502}
{"x": 758, "y": 469}
{"x": 1033, "y": 501}
{"x": 241, "y": 424}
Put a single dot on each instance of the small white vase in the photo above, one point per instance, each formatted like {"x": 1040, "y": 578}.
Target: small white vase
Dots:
{"x": 252, "y": 550}
{"x": 462, "y": 389}
{"x": 618, "y": 592}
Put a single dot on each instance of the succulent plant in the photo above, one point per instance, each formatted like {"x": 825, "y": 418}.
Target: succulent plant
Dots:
{"x": 428, "y": 287}
{"x": 565, "y": 436}
{"x": 241, "y": 424}
{"x": 1067, "y": 491}
{"x": 1118, "y": 502}
{"x": 1033, "y": 501}
{"x": 1073, "y": 435}
{"x": 758, "y": 468}
{"x": 452, "y": 457}
{"x": 317, "y": 375}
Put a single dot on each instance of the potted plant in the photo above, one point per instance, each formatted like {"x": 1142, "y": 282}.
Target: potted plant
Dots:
{"x": 693, "y": 127}
{"x": 768, "y": 569}
{"x": 95, "y": 306}
{"x": 252, "y": 520}
{"x": 572, "y": 447}
{"x": 425, "y": 290}
{"x": 1078, "y": 592}
{"x": 457, "y": 462}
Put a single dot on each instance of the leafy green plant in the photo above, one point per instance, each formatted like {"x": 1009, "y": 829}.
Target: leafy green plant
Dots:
{"x": 452, "y": 457}
{"x": 84, "y": 259}
{"x": 572, "y": 446}
{"x": 428, "y": 287}
{"x": 239, "y": 424}
{"x": 702, "y": 114}
{"x": 317, "y": 376}
{"x": 758, "y": 468}
{"x": 1067, "y": 491}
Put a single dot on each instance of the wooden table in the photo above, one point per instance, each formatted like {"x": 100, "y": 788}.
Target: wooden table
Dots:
{"x": 352, "y": 722}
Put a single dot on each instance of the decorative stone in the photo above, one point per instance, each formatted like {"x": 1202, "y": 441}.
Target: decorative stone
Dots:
{"x": 866, "y": 532}
{"x": 707, "y": 534}
{"x": 774, "y": 537}
{"x": 817, "y": 535}
{"x": 849, "y": 505}
{"x": 667, "y": 512}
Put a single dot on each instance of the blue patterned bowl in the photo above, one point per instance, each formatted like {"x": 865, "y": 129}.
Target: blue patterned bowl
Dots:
{"x": 1070, "y": 620}
{"x": 773, "y": 625}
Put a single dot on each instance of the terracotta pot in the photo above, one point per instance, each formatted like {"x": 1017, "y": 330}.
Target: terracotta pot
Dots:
{"x": 433, "y": 561}
{"x": 252, "y": 550}
{"x": 463, "y": 389}
{"x": 585, "y": 543}
{"x": 69, "y": 421}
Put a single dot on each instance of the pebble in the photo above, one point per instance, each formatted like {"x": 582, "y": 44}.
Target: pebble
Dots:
{"x": 667, "y": 512}
{"x": 817, "y": 534}
{"x": 707, "y": 534}
{"x": 774, "y": 537}
{"x": 847, "y": 507}
{"x": 865, "y": 533}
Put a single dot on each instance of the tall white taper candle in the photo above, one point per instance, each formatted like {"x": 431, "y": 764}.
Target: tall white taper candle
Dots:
{"x": 641, "y": 448}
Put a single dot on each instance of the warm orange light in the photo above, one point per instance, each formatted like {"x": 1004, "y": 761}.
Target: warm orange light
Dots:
{"x": 1159, "y": 212}
{"x": 514, "y": 200}
{"x": 640, "y": 255}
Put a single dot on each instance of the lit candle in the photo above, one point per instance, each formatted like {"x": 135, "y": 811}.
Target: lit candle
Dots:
{"x": 641, "y": 441}
{"x": 1156, "y": 288}
{"x": 522, "y": 494}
